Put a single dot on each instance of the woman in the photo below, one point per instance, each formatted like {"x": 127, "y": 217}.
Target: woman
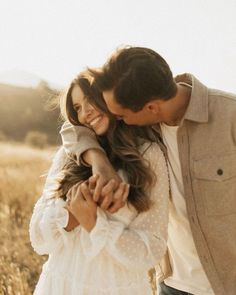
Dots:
{"x": 91, "y": 251}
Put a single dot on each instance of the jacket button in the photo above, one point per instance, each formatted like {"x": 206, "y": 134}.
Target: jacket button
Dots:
{"x": 220, "y": 172}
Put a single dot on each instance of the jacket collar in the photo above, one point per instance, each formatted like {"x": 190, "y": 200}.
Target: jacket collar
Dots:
{"x": 197, "y": 109}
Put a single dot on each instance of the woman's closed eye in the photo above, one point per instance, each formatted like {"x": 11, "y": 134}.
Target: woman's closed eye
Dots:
{"x": 77, "y": 108}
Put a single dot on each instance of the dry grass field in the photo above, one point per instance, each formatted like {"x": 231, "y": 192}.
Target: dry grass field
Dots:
{"x": 20, "y": 187}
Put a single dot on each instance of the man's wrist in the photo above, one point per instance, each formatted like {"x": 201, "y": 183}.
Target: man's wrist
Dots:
{"x": 94, "y": 157}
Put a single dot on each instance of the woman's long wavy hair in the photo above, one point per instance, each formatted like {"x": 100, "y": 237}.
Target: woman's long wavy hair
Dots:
{"x": 121, "y": 144}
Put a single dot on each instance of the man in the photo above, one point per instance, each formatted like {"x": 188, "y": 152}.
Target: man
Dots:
{"x": 198, "y": 130}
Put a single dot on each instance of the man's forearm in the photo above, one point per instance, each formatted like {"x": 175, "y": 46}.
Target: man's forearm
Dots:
{"x": 95, "y": 157}
{"x": 77, "y": 140}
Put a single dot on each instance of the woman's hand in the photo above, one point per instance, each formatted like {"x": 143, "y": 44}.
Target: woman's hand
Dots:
{"x": 81, "y": 205}
{"x": 72, "y": 222}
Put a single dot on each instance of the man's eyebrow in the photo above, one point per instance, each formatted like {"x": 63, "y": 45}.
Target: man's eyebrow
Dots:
{"x": 119, "y": 117}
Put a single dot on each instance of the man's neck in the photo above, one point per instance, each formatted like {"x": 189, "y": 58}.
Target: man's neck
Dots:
{"x": 178, "y": 105}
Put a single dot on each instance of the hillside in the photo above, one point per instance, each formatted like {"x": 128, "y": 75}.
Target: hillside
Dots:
{"x": 26, "y": 109}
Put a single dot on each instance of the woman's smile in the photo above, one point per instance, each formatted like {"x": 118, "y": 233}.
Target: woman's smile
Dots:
{"x": 87, "y": 114}
{"x": 96, "y": 120}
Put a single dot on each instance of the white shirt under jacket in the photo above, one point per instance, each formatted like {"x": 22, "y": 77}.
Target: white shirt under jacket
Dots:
{"x": 115, "y": 256}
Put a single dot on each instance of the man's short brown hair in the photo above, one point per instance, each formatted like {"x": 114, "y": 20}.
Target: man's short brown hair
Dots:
{"x": 137, "y": 75}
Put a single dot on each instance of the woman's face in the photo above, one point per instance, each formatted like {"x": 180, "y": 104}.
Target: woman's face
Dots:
{"x": 87, "y": 114}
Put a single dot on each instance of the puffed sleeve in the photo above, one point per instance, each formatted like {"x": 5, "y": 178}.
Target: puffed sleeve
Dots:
{"x": 142, "y": 243}
{"x": 49, "y": 216}
{"x": 78, "y": 139}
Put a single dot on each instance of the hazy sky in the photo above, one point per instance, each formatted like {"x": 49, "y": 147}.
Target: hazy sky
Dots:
{"x": 55, "y": 39}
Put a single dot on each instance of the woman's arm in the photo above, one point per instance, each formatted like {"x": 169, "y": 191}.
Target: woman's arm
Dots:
{"x": 72, "y": 222}
{"x": 50, "y": 219}
{"x": 82, "y": 206}
{"x": 142, "y": 243}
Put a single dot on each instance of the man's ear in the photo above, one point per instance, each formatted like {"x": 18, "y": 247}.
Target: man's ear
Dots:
{"x": 153, "y": 107}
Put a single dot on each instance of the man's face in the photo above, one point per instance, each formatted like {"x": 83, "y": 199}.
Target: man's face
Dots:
{"x": 141, "y": 118}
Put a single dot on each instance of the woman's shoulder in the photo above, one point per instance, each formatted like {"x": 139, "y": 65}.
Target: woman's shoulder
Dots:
{"x": 151, "y": 152}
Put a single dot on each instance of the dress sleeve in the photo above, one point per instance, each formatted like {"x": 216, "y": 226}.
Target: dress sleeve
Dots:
{"x": 78, "y": 139}
{"x": 142, "y": 243}
{"x": 49, "y": 216}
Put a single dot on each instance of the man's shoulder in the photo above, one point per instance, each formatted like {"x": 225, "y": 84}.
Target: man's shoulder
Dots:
{"x": 222, "y": 95}
{"x": 222, "y": 102}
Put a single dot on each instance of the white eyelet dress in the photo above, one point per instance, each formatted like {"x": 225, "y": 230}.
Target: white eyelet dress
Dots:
{"x": 114, "y": 258}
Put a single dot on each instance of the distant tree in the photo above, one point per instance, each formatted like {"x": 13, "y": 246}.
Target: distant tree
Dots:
{"x": 36, "y": 139}
{"x": 3, "y": 136}
{"x": 26, "y": 109}
{"x": 43, "y": 85}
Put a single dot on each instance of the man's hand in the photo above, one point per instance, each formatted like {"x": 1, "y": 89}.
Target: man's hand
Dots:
{"x": 105, "y": 182}
{"x": 119, "y": 198}
{"x": 111, "y": 199}
{"x": 106, "y": 176}
{"x": 102, "y": 171}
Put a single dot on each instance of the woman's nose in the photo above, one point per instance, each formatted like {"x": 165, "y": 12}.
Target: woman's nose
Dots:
{"x": 85, "y": 113}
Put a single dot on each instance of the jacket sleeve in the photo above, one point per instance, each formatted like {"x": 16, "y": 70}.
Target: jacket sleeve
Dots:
{"x": 49, "y": 216}
{"x": 78, "y": 139}
{"x": 142, "y": 243}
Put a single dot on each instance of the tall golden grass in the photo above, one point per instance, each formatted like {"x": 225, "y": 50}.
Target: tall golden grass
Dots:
{"x": 20, "y": 187}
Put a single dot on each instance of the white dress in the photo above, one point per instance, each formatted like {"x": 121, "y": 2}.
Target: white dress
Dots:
{"x": 114, "y": 258}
